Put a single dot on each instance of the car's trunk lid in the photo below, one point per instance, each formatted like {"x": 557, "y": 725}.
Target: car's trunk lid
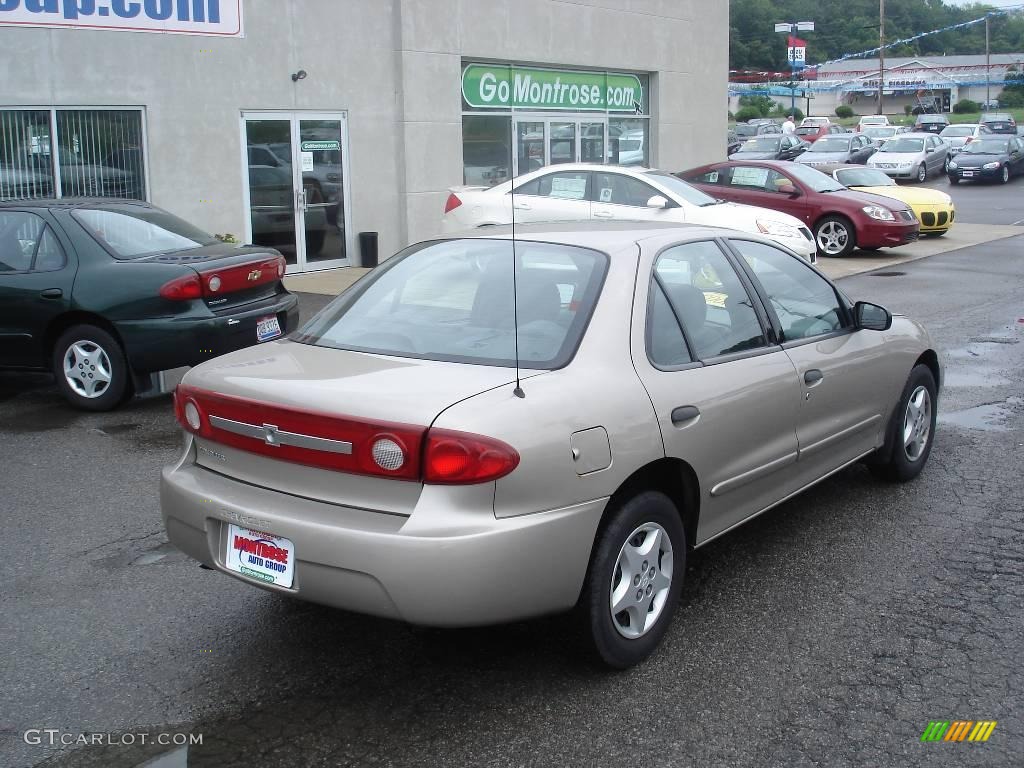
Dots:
{"x": 340, "y": 396}
{"x": 243, "y": 274}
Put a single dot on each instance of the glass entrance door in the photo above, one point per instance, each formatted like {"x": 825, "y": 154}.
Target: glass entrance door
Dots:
{"x": 551, "y": 141}
{"x": 296, "y": 184}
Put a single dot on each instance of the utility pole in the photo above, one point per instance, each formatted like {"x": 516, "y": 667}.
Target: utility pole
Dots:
{"x": 988, "y": 65}
{"x": 881, "y": 52}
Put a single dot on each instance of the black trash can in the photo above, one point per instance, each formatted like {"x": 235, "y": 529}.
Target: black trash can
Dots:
{"x": 368, "y": 249}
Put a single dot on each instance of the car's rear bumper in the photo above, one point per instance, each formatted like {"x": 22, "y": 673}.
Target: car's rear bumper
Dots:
{"x": 163, "y": 343}
{"x": 437, "y": 567}
{"x": 881, "y": 234}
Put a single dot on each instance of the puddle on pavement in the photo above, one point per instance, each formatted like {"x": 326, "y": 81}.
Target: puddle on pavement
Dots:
{"x": 990, "y": 417}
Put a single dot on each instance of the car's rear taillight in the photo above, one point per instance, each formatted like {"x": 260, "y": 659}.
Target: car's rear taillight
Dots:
{"x": 452, "y": 203}
{"x": 457, "y": 458}
{"x": 339, "y": 443}
{"x": 184, "y": 288}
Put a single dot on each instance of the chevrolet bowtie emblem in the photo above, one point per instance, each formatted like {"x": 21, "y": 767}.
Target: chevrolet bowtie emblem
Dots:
{"x": 255, "y": 275}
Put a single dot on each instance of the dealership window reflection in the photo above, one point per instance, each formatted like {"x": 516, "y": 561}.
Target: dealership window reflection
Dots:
{"x": 99, "y": 152}
{"x": 486, "y": 150}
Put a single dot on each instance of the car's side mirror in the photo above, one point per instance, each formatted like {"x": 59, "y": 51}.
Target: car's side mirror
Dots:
{"x": 658, "y": 202}
{"x": 871, "y": 317}
{"x": 788, "y": 189}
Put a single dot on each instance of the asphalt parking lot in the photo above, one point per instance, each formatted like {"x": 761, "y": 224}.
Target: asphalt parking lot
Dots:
{"x": 829, "y": 631}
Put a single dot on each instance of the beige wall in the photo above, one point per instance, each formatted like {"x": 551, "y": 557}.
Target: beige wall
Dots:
{"x": 392, "y": 65}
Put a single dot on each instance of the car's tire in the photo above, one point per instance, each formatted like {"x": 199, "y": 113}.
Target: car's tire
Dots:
{"x": 945, "y": 165}
{"x": 632, "y": 531}
{"x": 1005, "y": 177}
{"x": 911, "y": 431}
{"x": 90, "y": 368}
{"x": 954, "y": 180}
{"x": 835, "y": 236}
{"x": 922, "y": 173}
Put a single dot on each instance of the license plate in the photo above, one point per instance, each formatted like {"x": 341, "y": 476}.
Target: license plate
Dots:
{"x": 267, "y": 328}
{"x": 260, "y": 555}
{"x": 968, "y": 174}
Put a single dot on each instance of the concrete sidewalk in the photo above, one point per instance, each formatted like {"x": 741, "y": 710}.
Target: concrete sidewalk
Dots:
{"x": 331, "y": 282}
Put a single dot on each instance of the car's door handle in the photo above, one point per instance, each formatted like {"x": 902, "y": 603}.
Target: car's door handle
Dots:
{"x": 522, "y": 207}
{"x": 813, "y": 376}
{"x": 602, "y": 214}
{"x": 684, "y": 414}
{"x": 52, "y": 293}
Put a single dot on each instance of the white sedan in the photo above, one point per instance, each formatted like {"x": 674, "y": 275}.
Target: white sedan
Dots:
{"x": 583, "y": 192}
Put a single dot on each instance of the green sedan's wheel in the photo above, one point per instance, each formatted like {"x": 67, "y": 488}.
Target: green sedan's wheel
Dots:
{"x": 911, "y": 431}
{"x": 90, "y": 368}
{"x": 634, "y": 579}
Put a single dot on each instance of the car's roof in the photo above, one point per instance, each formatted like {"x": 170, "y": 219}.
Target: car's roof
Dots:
{"x": 996, "y": 116}
{"x": 601, "y": 236}
{"x": 915, "y": 135}
{"x": 72, "y": 202}
{"x": 932, "y": 119}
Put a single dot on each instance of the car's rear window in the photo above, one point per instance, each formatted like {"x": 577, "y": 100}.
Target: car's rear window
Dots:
{"x": 831, "y": 144}
{"x": 453, "y": 301}
{"x": 134, "y": 232}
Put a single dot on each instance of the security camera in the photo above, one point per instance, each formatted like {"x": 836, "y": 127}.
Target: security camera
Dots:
{"x": 300, "y": 75}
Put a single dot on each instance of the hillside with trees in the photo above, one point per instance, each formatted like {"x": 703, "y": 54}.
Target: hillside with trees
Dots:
{"x": 850, "y": 26}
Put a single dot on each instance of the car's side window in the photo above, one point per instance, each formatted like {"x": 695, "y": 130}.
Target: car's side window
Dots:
{"x": 49, "y": 254}
{"x": 716, "y": 176}
{"x": 666, "y": 344}
{"x": 564, "y": 185}
{"x": 617, "y": 189}
{"x": 750, "y": 177}
{"x": 708, "y": 300}
{"x": 20, "y": 233}
{"x": 805, "y": 303}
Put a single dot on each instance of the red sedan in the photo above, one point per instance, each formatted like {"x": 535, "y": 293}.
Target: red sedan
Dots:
{"x": 840, "y": 218}
{"x": 811, "y": 133}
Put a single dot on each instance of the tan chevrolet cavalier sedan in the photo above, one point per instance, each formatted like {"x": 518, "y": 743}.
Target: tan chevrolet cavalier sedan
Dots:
{"x": 673, "y": 382}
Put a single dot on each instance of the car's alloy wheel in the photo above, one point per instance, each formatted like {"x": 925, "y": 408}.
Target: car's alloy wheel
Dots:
{"x": 911, "y": 431}
{"x": 634, "y": 578}
{"x": 917, "y": 423}
{"x": 922, "y": 173}
{"x": 90, "y": 368}
{"x": 834, "y": 237}
{"x": 945, "y": 165}
{"x": 1006, "y": 174}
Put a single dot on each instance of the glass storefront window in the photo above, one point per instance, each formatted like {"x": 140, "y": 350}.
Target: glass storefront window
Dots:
{"x": 550, "y": 116}
{"x": 487, "y": 150}
{"x": 628, "y": 141}
{"x": 25, "y": 167}
{"x": 100, "y": 153}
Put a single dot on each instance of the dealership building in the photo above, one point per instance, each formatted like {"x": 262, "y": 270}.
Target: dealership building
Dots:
{"x": 302, "y": 123}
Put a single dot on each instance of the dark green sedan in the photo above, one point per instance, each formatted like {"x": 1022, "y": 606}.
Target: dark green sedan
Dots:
{"x": 104, "y": 292}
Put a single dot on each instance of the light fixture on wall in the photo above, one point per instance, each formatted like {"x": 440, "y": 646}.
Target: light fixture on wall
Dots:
{"x": 300, "y": 75}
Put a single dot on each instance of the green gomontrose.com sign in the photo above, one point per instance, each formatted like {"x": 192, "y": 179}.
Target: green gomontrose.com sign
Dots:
{"x": 320, "y": 146}
{"x": 495, "y": 86}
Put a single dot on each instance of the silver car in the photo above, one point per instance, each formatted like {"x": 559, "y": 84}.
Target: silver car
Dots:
{"x": 957, "y": 136}
{"x": 452, "y": 443}
{"x": 912, "y": 156}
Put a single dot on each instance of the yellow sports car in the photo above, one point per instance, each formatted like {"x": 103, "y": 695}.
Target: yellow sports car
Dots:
{"x": 934, "y": 209}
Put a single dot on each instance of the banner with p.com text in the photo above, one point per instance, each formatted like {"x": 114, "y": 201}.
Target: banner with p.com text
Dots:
{"x": 222, "y": 18}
